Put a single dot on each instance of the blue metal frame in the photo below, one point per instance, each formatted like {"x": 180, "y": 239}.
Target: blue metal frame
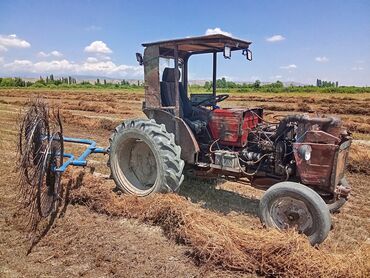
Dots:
{"x": 81, "y": 160}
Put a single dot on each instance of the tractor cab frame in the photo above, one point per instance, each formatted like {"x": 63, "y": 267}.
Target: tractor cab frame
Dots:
{"x": 173, "y": 110}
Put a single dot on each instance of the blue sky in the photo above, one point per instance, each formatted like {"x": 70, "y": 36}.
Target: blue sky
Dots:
{"x": 292, "y": 40}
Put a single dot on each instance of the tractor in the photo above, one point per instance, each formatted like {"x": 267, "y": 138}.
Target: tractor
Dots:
{"x": 300, "y": 160}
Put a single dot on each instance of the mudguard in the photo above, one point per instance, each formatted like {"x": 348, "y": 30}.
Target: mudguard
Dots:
{"x": 184, "y": 137}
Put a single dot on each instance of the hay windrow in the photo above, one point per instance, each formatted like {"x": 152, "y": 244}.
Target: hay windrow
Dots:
{"x": 87, "y": 122}
{"x": 359, "y": 158}
{"x": 216, "y": 242}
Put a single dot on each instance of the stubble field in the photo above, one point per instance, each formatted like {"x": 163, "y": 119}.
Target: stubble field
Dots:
{"x": 211, "y": 229}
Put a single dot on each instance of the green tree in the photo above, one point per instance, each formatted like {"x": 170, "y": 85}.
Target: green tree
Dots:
{"x": 257, "y": 84}
{"x": 7, "y": 82}
{"x": 279, "y": 84}
{"x": 58, "y": 82}
{"x": 221, "y": 83}
{"x": 18, "y": 82}
{"x": 207, "y": 85}
{"x": 39, "y": 83}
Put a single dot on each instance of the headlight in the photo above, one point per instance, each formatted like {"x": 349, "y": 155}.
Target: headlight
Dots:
{"x": 304, "y": 152}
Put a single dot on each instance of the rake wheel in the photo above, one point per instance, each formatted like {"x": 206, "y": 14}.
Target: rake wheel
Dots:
{"x": 48, "y": 184}
{"x": 33, "y": 131}
{"x": 39, "y": 154}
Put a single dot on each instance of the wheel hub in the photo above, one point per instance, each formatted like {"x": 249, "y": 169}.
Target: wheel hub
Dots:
{"x": 138, "y": 165}
{"x": 143, "y": 164}
{"x": 287, "y": 212}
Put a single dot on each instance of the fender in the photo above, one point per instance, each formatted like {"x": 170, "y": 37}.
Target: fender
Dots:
{"x": 186, "y": 140}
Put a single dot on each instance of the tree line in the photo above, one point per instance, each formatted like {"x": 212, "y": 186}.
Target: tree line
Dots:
{"x": 277, "y": 87}
{"x": 51, "y": 81}
{"x": 323, "y": 83}
{"x": 222, "y": 85}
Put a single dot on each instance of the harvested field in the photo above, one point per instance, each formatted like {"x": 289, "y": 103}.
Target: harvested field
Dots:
{"x": 220, "y": 243}
{"x": 210, "y": 230}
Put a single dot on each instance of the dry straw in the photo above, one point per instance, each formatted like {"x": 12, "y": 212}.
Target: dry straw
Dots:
{"x": 216, "y": 242}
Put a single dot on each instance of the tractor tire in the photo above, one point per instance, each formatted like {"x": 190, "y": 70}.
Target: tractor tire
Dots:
{"x": 293, "y": 205}
{"x": 337, "y": 205}
{"x": 144, "y": 158}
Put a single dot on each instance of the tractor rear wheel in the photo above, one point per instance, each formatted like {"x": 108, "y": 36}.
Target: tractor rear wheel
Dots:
{"x": 144, "y": 158}
{"x": 292, "y": 205}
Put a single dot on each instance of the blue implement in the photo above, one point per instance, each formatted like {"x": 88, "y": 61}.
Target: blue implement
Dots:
{"x": 81, "y": 160}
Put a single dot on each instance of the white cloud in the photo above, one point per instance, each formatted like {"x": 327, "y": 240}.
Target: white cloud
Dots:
{"x": 54, "y": 53}
{"x": 103, "y": 57}
{"x": 275, "y": 38}
{"x": 357, "y": 68}
{"x": 3, "y": 48}
{"x": 217, "y": 30}
{"x": 91, "y": 60}
{"x": 56, "y": 65}
{"x": 322, "y": 59}
{"x": 23, "y": 65}
{"x": 98, "y": 47}
{"x": 90, "y": 67}
{"x": 291, "y": 66}
{"x": 43, "y": 54}
{"x": 1, "y": 60}
{"x": 276, "y": 77}
{"x": 98, "y": 58}
{"x": 12, "y": 41}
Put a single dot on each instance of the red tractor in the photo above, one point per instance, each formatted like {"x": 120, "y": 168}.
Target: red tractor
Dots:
{"x": 301, "y": 159}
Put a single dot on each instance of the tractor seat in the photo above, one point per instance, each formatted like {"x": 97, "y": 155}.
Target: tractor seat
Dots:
{"x": 195, "y": 117}
{"x": 168, "y": 92}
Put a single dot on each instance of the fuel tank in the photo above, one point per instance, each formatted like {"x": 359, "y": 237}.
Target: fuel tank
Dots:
{"x": 231, "y": 125}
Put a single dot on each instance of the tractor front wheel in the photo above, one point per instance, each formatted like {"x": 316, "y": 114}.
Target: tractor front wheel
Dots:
{"x": 293, "y": 205}
{"x": 144, "y": 158}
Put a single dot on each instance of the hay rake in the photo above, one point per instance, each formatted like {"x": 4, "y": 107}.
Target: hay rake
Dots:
{"x": 41, "y": 159}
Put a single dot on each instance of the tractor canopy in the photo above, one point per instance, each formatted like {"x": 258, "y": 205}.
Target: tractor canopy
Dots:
{"x": 180, "y": 50}
{"x": 198, "y": 45}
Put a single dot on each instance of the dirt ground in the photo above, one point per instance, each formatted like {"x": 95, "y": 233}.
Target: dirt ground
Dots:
{"x": 85, "y": 243}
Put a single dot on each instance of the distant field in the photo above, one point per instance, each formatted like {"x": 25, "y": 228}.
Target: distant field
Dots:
{"x": 353, "y": 108}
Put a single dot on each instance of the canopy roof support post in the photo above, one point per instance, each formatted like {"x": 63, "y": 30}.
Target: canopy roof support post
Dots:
{"x": 177, "y": 93}
{"x": 185, "y": 75}
{"x": 214, "y": 73}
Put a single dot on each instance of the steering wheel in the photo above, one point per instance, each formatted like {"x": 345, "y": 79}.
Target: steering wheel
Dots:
{"x": 213, "y": 99}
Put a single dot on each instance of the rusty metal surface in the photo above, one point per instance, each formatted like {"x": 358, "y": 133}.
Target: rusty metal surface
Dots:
{"x": 187, "y": 142}
{"x": 231, "y": 126}
{"x": 340, "y": 163}
{"x": 328, "y": 160}
{"x": 319, "y": 136}
{"x": 202, "y": 44}
{"x": 151, "y": 75}
{"x": 317, "y": 170}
